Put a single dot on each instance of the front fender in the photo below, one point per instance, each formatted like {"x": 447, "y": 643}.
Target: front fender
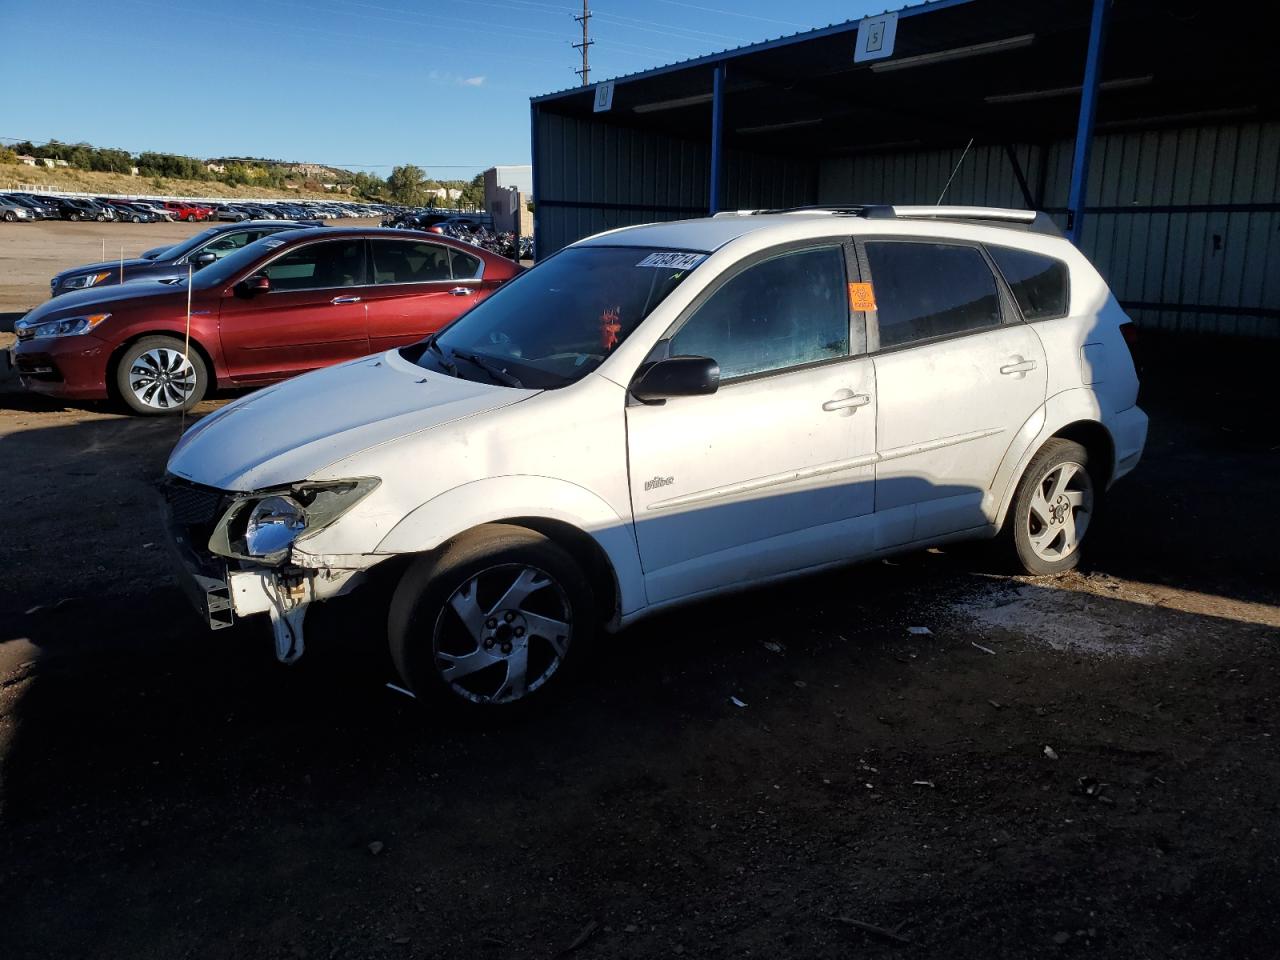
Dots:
{"x": 505, "y": 498}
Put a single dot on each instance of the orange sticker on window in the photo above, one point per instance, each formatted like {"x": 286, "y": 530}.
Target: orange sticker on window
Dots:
{"x": 861, "y": 296}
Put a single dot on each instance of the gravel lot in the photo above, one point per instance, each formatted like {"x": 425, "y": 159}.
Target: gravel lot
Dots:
{"x": 168, "y": 793}
{"x": 31, "y": 253}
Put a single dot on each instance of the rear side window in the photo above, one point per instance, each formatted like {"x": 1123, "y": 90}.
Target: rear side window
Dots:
{"x": 465, "y": 266}
{"x": 1040, "y": 284}
{"x": 399, "y": 261}
{"x": 929, "y": 290}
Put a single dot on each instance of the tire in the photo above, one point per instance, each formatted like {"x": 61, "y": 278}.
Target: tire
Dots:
{"x": 151, "y": 378}
{"x": 74, "y": 218}
{"x": 1053, "y": 507}
{"x": 101, "y": 218}
{"x": 191, "y": 218}
{"x": 476, "y": 573}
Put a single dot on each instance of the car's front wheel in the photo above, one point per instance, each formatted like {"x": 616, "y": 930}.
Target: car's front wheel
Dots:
{"x": 160, "y": 375}
{"x": 492, "y": 621}
{"x": 1052, "y": 508}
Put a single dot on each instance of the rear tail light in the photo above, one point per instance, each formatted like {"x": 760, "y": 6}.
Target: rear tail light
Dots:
{"x": 1129, "y": 331}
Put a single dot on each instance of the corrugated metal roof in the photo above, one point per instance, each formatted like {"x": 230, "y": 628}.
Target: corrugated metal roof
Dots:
{"x": 910, "y": 10}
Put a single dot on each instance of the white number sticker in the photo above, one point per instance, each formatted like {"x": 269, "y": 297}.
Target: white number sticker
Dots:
{"x": 673, "y": 261}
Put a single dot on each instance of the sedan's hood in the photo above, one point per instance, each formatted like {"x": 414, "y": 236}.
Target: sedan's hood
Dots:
{"x": 109, "y": 265}
{"x": 106, "y": 299}
{"x": 291, "y": 431}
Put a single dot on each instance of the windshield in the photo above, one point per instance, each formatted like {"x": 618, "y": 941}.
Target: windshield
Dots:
{"x": 187, "y": 245}
{"x": 557, "y": 322}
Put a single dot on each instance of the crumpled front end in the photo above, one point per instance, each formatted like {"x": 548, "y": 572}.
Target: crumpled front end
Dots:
{"x": 207, "y": 537}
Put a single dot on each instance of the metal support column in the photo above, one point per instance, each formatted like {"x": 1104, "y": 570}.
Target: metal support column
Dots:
{"x": 717, "y": 137}
{"x": 537, "y": 188}
{"x": 1084, "y": 126}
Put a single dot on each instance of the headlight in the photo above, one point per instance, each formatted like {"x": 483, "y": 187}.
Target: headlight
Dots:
{"x": 85, "y": 280}
{"x": 264, "y": 526}
{"x": 66, "y": 327}
{"x": 274, "y": 523}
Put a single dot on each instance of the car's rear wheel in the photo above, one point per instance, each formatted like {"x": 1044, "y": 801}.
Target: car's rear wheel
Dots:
{"x": 493, "y": 622}
{"x": 137, "y": 219}
{"x": 158, "y": 375}
{"x": 74, "y": 218}
{"x": 10, "y": 216}
{"x": 1052, "y": 509}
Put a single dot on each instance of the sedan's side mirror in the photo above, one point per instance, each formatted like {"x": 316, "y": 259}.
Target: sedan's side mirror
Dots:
{"x": 258, "y": 283}
{"x": 676, "y": 377}
{"x": 203, "y": 259}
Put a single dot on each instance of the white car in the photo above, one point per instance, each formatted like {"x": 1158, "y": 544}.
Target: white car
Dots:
{"x": 667, "y": 412}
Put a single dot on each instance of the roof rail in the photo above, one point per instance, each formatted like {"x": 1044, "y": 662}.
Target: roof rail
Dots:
{"x": 1030, "y": 220}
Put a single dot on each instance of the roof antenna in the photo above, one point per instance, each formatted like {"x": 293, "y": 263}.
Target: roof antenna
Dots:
{"x": 954, "y": 172}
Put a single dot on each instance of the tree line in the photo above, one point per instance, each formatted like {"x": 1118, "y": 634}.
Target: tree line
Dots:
{"x": 406, "y": 184}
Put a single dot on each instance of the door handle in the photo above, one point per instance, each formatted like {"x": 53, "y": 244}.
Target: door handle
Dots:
{"x": 461, "y": 291}
{"x": 345, "y": 300}
{"x": 847, "y": 401}
{"x": 1019, "y": 366}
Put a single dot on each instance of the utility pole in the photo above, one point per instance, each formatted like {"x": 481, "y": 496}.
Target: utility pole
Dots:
{"x": 585, "y": 72}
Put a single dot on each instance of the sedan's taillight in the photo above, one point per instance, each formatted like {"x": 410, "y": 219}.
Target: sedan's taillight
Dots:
{"x": 1129, "y": 331}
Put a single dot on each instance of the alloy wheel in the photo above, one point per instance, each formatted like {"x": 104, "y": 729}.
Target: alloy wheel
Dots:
{"x": 1059, "y": 512}
{"x": 162, "y": 379}
{"x": 502, "y": 634}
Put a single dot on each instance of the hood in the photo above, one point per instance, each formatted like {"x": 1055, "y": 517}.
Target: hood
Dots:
{"x": 107, "y": 299}
{"x": 109, "y": 265}
{"x": 291, "y": 431}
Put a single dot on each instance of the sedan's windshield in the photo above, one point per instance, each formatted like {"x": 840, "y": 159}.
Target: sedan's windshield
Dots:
{"x": 557, "y": 322}
{"x": 187, "y": 245}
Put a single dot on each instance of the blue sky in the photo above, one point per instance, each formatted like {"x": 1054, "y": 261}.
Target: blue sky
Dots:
{"x": 364, "y": 84}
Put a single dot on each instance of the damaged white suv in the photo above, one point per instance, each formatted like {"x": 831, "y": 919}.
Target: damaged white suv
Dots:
{"x": 666, "y": 412}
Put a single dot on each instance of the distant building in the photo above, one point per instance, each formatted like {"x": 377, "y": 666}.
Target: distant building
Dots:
{"x": 27, "y": 159}
{"x": 507, "y": 193}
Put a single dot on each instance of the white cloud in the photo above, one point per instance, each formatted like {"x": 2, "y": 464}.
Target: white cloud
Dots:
{"x": 474, "y": 81}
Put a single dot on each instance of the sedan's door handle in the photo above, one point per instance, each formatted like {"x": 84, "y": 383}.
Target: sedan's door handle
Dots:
{"x": 848, "y": 401}
{"x": 461, "y": 291}
{"x": 1019, "y": 366}
{"x": 345, "y": 300}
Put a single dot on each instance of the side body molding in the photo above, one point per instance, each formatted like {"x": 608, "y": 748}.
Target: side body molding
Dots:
{"x": 496, "y": 499}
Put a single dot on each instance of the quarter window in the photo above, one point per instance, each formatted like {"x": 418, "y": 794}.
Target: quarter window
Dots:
{"x": 929, "y": 290}
{"x": 786, "y": 311}
{"x": 465, "y": 266}
{"x": 397, "y": 261}
{"x": 1040, "y": 284}
{"x": 333, "y": 263}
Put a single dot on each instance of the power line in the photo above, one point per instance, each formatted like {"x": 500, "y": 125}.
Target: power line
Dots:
{"x": 585, "y": 72}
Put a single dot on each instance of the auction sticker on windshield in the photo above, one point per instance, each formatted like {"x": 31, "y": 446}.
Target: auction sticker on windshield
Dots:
{"x": 674, "y": 261}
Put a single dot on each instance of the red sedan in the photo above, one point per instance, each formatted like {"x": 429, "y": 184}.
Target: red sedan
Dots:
{"x": 191, "y": 212}
{"x": 280, "y": 306}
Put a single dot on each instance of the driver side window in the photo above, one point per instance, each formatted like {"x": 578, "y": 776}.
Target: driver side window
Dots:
{"x": 789, "y": 310}
{"x": 319, "y": 266}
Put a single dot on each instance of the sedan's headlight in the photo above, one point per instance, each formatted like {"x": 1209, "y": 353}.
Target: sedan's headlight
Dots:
{"x": 85, "y": 280}
{"x": 264, "y": 526}
{"x": 66, "y": 327}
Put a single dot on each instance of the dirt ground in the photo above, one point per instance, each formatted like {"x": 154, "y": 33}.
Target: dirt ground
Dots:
{"x": 1070, "y": 768}
{"x": 31, "y": 253}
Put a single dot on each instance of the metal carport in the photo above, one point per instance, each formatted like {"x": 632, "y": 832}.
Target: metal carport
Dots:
{"x": 1178, "y": 207}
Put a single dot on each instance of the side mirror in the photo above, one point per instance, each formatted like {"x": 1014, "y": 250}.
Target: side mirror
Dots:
{"x": 676, "y": 377}
{"x": 258, "y": 283}
{"x": 204, "y": 259}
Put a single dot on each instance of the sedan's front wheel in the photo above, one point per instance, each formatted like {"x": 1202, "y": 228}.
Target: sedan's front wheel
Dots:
{"x": 160, "y": 375}
{"x": 492, "y": 621}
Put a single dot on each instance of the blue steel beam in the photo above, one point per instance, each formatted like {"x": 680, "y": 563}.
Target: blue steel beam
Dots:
{"x": 717, "y": 137}
{"x": 1084, "y": 126}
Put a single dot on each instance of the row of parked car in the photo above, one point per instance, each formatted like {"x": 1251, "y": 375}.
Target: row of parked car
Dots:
{"x": 17, "y": 207}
